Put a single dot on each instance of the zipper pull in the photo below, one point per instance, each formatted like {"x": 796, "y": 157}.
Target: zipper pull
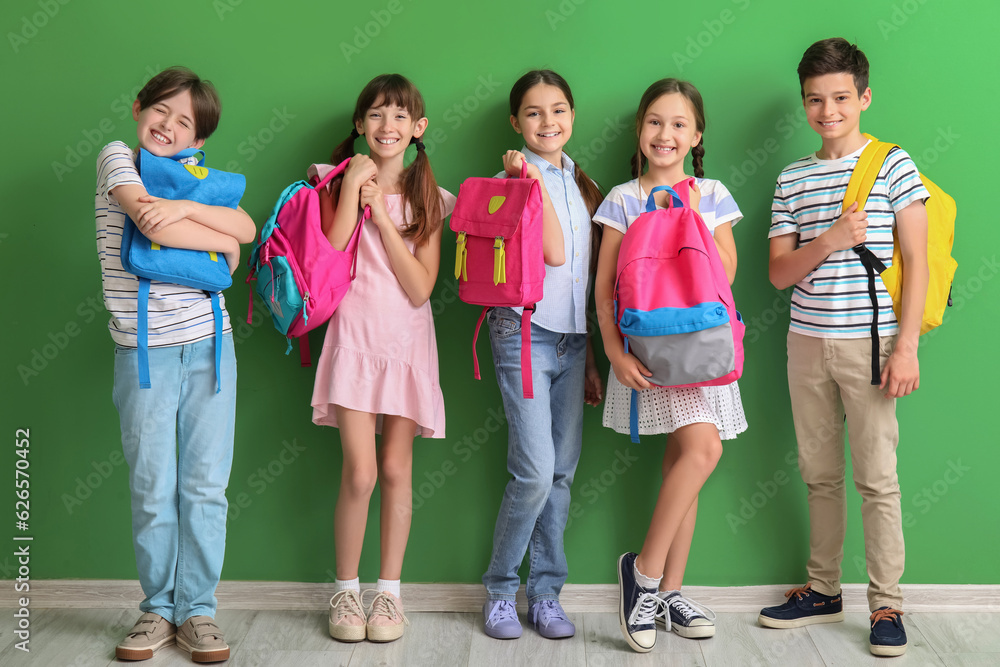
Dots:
{"x": 461, "y": 257}
{"x": 499, "y": 262}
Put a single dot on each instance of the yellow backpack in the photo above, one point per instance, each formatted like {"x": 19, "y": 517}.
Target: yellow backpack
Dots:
{"x": 940, "y": 239}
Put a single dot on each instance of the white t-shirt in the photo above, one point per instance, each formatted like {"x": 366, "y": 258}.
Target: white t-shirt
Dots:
{"x": 177, "y": 314}
{"x": 627, "y": 201}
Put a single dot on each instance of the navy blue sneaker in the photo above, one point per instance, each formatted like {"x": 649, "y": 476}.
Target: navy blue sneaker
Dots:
{"x": 636, "y": 607}
{"x": 803, "y": 607}
{"x": 684, "y": 616}
{"x": 888, "y": 637}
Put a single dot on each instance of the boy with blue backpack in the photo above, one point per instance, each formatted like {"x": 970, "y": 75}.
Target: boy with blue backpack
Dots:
{"x": 815, "y": 246}
{"x": 177, "y": 434}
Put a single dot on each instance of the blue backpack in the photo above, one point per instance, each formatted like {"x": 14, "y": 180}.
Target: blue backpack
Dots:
{"x": 167, "y": 178}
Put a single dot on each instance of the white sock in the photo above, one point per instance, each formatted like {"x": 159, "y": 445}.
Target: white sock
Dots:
{"x": 345, "y": 584}
{"x": 666, "y": 594}
{"x": 389, "y": 585}
{"x": 644, "y": 581}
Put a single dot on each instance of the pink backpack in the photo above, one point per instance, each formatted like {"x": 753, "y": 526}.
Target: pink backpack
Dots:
{"x": 301, "y": 278}
{"x": 498, "y": 258}
{"x": 673, "y": 302}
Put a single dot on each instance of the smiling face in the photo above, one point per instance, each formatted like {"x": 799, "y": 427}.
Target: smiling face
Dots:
{"x": 167, "y": 127}
{"x": 545, "y": 119}
{"x": 833, "y": 109}
{"x": 668, "y": 132}
{"x": 388, "y": 129}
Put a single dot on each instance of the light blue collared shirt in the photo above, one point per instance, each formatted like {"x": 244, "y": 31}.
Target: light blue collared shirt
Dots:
{"x": 563, "y": 307}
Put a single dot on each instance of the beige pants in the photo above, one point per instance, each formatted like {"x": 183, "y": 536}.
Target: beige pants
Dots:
{"x": 828, "y": 378}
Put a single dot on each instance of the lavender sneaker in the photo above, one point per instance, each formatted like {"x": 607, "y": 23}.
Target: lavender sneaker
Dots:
{"x": 500, "y": 619}
{"x": 550, "y": 620}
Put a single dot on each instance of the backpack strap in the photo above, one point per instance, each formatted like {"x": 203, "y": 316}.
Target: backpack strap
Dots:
{"x": 633, "y": 416}
{"x": 674, "y": 200}
{"x": 217, "y": 316}
{"x": 526, "y": 383}
{"x": 475, "y": 337}
{"x": 858, "y": 188}
{"x": 142, "y": 333}
{"x": 526, "y": 386}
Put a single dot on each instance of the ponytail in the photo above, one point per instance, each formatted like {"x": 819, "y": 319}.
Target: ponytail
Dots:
{"x": 344, "y": 150}
{"x": 420, "y": 192}
{"x": 592, "y": 197}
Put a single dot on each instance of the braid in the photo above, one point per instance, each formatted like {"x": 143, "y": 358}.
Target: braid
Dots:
{"x": 697, "y": 155}
{"x": 638, "y": 161}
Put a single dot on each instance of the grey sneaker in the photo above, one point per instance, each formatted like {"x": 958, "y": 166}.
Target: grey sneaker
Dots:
{"x": 202, "y": 638}
{"x": 149, "y": 633}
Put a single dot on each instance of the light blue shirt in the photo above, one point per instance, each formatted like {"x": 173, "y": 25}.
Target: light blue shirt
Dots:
{"x": 563, "y": 307}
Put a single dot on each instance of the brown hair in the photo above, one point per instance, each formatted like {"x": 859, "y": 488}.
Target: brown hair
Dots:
{"x": 420, "y": 190}
{"x": 592, "y": 196}
{"x": 834, "y": 56}
{"x": 204, "y": 98}
{"x": 653, "y": 93}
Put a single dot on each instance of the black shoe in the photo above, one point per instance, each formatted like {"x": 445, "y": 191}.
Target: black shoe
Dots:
{"x": 686, "y": 617}
{"x": 888, "y": 637}
{"x": 803, "y": 607}
{"x": 636, "y": 607}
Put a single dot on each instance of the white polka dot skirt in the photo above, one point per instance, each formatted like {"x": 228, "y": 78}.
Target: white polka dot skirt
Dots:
{"x": 666, "y": 409}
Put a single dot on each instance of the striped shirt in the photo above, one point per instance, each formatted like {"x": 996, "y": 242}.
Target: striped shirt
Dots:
{"x": 832, "y": 300}
{"x": 563, "y": 308}
{"x": 627, "y": 201}
{"x": 177, "y": 314}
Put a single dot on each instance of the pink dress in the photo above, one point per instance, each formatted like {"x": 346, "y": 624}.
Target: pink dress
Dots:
{"x": 380, "y": 352}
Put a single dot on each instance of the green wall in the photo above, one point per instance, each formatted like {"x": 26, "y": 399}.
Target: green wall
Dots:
{"x": 289, "y": 79}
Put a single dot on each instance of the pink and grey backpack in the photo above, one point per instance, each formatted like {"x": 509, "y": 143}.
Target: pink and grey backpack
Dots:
{"x": 301, "y": 278}
{"x": 673, "y": 302}
{"x": 498, "y": 258}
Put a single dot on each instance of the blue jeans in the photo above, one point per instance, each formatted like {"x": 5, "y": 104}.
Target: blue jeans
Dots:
{"x": 544, "y": 438}
{"x": 178, "y": 441}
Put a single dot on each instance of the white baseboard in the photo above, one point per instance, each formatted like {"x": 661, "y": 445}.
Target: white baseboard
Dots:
{"x": 281, "y": 595}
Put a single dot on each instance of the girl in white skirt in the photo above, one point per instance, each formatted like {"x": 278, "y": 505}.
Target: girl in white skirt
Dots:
{"x": 670, "y": 123}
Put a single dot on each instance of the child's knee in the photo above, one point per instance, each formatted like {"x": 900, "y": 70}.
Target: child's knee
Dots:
{"x": 359, "y": 481}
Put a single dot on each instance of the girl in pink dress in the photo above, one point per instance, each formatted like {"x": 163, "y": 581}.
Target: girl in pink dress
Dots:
{"x": 378, "y": 373}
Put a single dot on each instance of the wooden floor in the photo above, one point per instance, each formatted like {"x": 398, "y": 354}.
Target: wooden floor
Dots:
{"x": 84, "y": 637}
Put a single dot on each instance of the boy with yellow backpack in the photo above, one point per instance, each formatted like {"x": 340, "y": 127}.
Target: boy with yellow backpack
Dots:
{"x": 848, "y": 361}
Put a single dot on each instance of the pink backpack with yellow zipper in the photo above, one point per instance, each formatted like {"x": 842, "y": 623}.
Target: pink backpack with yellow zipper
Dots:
{"x": 498, "y": 256}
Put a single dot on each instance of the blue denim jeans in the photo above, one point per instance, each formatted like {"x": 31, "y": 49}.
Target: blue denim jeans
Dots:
{"x": 544, "y": 439}
{"x": 178, "y": 442}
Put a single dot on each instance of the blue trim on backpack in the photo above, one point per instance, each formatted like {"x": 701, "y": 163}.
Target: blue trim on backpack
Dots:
{"x": 667, "y": 320}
